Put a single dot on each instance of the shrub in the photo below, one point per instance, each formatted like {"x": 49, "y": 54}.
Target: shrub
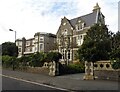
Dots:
{"x": 72, "y": 68}
{"x": 9, "y": 62}
{"x": 37, "y": 59}
{"x": 6, "y": 61}
{"x": 76, "y": 68}
{"x": 116, "y": 64}
{"x": 53, "y": 56}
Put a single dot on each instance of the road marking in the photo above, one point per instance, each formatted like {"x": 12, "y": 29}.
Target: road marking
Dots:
{"x": 34, "y": 82}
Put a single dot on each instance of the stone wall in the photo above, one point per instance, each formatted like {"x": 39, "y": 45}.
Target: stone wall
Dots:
{"x": 103, "y": 65}
{"x": 104, "y": 70}
{"x": 101, "y": 70}
{"x": 107, "y": 74}
{"x": 38, "y": 70}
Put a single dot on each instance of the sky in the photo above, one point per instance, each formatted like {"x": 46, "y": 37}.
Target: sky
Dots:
{"x": 27, "y": 17}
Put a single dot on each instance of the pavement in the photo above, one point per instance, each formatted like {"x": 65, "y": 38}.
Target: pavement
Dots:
{"x": 72, "y": 82}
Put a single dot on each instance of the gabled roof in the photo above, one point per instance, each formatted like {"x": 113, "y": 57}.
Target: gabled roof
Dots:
{"x": 89, "y": 19}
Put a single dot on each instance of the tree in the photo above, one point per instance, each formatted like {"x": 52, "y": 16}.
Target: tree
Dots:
{"x": 116, "y": 64}
{"x": 116, "y": 41}
{"x": 37, "y": 59}
{"x": 115, "y": 53}
{"x": 53, "y": 56}
{"x": 23, "y": 61}
{"x": 9, "y": 48}
{"x": 115, "y": 46}
{"x": 96, "y": 45}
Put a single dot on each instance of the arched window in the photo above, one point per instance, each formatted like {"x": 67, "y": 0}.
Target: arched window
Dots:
{"x": 64, "y": 23}
{"x": 68, "y": 54}
{"x": 65, "y": 32}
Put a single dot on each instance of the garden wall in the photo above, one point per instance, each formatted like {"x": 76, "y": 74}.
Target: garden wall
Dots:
{"x": 38, "y": 70}
{"x": 101, "y": 70}
{"x": 107, "y": 74}
{"x": 104, "y": 70}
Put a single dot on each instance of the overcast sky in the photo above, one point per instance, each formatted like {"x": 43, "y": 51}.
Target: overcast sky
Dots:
{"x": 30, "y": 16}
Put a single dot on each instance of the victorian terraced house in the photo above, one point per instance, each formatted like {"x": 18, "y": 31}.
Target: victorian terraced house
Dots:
{"x": 70, "y": 34}
{"x": 42, "y": 42}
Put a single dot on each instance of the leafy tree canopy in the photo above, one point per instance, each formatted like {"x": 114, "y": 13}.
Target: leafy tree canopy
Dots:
{"x": 96, "y": 45}
{"x": 115, "y": 46}
{"x": 116, "y": 41}
{"x": 115, "y": 53}
{"x": 53, "y": 56}
{"x": 9, "y": 48}
{"x": 37, "y": 59}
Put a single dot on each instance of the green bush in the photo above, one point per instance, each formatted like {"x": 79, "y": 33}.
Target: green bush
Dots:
{"x": 6, "y": 61}
{"x": 53, "y": 56}
{"x": 37, "y": 59}
{"x": 116, "y": 64}
{"x": 72, "y": 68}
{"x": 75, "y": 68}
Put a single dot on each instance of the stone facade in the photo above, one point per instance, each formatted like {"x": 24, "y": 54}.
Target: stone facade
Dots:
{"x": 71, "y": 33}
{"x": 42, "y": 42}
{"x": 21, "y": 46}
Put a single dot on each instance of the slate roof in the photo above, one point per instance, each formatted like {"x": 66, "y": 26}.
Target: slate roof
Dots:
{"x": 44, "y": 33}
{"x": 89, "y": 19}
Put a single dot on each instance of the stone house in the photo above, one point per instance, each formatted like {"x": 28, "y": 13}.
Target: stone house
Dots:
{"x": 71, "y": 33}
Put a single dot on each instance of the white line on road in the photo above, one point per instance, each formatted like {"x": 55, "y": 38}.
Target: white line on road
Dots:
{"x": 34, "y": 82}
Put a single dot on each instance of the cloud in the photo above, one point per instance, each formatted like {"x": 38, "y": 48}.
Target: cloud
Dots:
{"x": 30, "y": 16}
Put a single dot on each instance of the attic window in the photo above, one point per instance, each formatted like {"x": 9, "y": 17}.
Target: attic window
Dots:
{"x": 79, "y": 21}
{"x": 64, "y": 23}
{"x": 78, "y": 27}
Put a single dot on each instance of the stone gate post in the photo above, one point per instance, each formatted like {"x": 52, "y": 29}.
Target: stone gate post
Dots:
{"x": 54, "y": 68}
{"x": 89, "y": 71}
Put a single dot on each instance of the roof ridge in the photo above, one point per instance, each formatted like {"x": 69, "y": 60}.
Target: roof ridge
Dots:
{"x": 82, "y": 16}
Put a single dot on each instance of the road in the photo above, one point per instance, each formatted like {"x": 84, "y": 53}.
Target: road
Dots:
{"x": 9, "y": 83}
{"x": 72, "y": 82}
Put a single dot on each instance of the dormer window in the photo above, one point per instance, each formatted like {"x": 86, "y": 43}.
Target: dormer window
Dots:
{"x": 80, "y": 26}
{"x": 77, "y": 27}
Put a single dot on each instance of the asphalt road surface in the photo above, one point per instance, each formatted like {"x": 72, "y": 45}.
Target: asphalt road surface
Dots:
{"x": 19, "y": 85}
